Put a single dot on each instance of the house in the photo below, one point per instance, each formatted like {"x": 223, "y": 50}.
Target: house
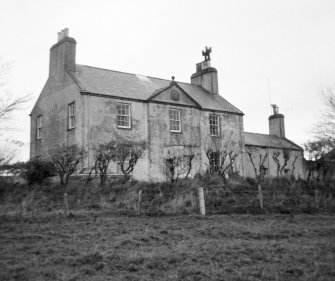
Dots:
{"x": 272, "y": 154}
{"x": 87, "y": 106}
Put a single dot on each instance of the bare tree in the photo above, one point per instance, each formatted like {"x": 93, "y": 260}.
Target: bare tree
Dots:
{"x": 8, "y": 102}
{"x": 66, "y": 160}
{"x": 175, "y": 165}
{"x": 8, "y": 105}
{"x": 281, "y": 165}
{"x": 325, "y": 129}
{"x": 128, "y": 153}
{"x": 125, "y": 153}
{"x": 296, "y": 157}
{"x": 7, "y": 154}
{"x": 222, "y": 153}
{"x": 180, "y": 162}
{"x": 324, "y": 136}
{"x": 104, "y": 154}
{"x": 257, "y": 159}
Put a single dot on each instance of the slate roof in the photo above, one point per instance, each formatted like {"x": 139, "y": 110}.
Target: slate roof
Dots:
{"x": 271, "y": 141}
{"x": 133, "y": 86}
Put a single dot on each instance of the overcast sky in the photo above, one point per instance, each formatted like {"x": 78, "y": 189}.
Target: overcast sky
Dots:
{"x": 280, "y": 52}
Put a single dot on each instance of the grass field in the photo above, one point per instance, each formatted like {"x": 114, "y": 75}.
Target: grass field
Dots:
{"x": 103, "y": 246}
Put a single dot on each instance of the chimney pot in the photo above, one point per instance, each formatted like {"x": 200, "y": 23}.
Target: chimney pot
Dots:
{"x": 66, "y": 32}
{"x": 275, "y": 109}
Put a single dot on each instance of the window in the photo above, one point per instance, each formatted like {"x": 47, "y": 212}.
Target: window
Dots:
{"x": 214, "y": 124}
{"x": 214, "y": 161}
{"x": 39, "y": 127}
{"x": 263, "y": 171}
{"x": 123, "y": 115}
{"x": 72, "y": 115}
{"x": 175, "y": 125}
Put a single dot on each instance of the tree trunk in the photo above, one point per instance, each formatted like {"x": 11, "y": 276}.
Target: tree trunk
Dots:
{"x": 66, "y": 204}
{"x": 309, "y": 176}
{"x": 66, "y": 179}
{"x": 102, "y": 180}
{"x": 224, "y": 177}
{"x": 61, "y": 177}
{"x": 260, "y": 195}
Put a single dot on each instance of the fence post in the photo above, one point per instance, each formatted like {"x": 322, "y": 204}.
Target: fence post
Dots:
{"x": 66, "y": 205}
{"x": 139, "y": 202}
{"x": 260, "y": 196}
{"x": 201, "y": 201}
{"x": 317, "y": 198}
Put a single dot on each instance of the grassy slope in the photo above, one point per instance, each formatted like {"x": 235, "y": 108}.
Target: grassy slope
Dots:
{"x": 236, "y": 247}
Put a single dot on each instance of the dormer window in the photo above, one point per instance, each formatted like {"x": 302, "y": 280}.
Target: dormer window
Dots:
{"x": 175, "y": 123}
{"x": 123, "y": 115}
{"x": 214, "y": 123}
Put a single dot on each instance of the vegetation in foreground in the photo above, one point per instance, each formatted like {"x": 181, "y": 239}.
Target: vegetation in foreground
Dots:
{"x": 101, "y": 246}
{"x": 237, "y": 195}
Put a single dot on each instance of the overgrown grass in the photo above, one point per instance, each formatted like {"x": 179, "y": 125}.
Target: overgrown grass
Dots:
{"x": 97, "y": 245}
{"x": 280, "y": 195}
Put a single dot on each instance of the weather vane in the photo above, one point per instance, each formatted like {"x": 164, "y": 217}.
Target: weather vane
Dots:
{"x": 206, "y": 53}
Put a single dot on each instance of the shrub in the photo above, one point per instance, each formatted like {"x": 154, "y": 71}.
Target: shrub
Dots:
{"x": 36, "y": 171}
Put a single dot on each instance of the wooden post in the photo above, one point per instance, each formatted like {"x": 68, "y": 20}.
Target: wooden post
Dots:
{"x": 139, "y": 202}
{"x": 317, "y": 198}
{"x": 201, "y": 201}
{"x": 260, "y": 196}
{"x": 66, "y": 205}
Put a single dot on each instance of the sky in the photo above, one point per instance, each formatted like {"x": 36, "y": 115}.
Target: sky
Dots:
{"x": 266, "y": 52}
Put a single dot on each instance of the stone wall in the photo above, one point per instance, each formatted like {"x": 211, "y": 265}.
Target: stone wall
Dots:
{"x": 52, "y": 104}
{"x": 150, "y": 123}
{"x": 100, "y": 119}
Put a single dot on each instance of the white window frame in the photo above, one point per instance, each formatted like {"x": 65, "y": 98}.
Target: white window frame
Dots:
{"x": 39, "y": 127}
{"x": 121, "y": 111}
{"x": 173, "y": 121}
{"x": 72, "y": 115}
{"x": 213, "y": 126}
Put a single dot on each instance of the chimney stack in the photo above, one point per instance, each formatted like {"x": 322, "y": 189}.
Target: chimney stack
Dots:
{"x": 205, "y": 75}
{"x": 62, "y": 56}
{"x": 276, "y": 123}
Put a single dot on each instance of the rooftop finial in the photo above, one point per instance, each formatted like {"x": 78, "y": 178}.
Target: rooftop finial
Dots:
{"x": 206, "y": 53}
{"x": 275, "y": 109}
{"x": 172, "y": 77}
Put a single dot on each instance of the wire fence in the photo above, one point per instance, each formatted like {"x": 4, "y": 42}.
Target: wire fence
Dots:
{"x": 166, "y": 199}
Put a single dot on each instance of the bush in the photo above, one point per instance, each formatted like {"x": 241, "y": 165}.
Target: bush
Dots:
{"x": 36, "y": 171}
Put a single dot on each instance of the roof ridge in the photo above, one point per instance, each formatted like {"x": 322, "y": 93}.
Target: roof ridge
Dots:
{"x": 179, "y": 82}
{"x": 124, "y": 72}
